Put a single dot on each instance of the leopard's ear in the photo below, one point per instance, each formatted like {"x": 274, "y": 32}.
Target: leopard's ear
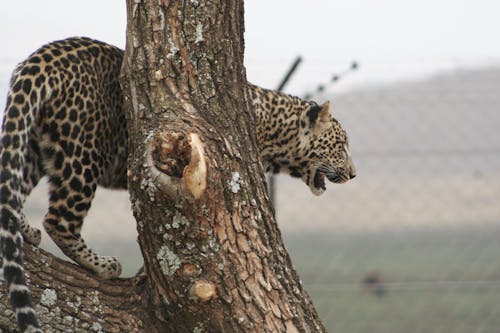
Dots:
{"x": 318, "y": 116}
{"x": 324, "y": 115}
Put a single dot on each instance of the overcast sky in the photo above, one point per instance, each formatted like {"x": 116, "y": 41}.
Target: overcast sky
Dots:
{"x": 392, "y": 39}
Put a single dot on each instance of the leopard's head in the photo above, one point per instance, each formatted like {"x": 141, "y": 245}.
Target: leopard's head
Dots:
{"x": 325, "y": 149}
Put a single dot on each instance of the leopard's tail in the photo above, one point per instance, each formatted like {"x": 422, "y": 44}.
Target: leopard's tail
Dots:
{"x": 23, "y": 101}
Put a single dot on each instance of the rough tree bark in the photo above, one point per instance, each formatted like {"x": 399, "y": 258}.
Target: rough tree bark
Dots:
{"x": 214, "y": 258}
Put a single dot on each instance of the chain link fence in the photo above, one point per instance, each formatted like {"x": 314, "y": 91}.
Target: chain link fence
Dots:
{"x": 412, "y": 243}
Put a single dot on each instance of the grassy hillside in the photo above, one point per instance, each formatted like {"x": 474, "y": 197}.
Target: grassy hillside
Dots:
{"x": 445, "y": 280}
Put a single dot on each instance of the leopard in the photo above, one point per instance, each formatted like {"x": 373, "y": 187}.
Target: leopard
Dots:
{"x": 64, "y": 120}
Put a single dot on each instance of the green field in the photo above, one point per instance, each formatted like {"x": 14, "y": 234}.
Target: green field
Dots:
{"x": 439, "y": 280}
{"x": 420, "y": 311}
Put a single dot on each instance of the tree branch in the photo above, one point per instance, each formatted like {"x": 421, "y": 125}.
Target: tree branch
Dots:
{"x": 72, "y": 299}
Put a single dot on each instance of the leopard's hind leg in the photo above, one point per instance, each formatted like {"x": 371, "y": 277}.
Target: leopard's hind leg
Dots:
{"x": 32, "y": 174}
{"x": 72, "y": 188}
{"x": 69, "y": 204}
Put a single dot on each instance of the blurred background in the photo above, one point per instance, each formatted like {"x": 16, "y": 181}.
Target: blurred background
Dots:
{"x": 411, "y": 244}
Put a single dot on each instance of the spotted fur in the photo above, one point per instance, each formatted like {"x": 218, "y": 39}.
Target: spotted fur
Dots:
{"x": 64, "y": 120}
{"x": 301, "y": 138}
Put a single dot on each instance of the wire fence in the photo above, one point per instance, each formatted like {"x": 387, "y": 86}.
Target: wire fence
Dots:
{"x": 412, "y": 243}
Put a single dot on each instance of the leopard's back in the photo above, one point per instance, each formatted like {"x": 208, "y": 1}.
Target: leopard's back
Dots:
{"x": 64, "y": 120}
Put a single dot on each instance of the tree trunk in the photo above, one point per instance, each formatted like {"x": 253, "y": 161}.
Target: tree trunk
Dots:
{"x": 214, "y": 260}
{"x": 213, "y": 254}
